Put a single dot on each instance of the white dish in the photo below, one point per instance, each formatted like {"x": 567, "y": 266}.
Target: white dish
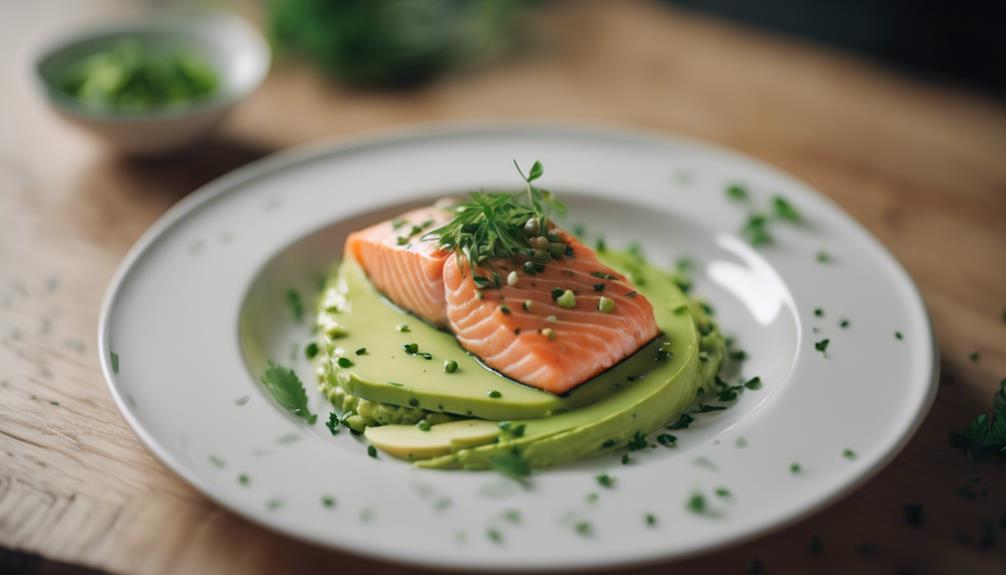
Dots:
{"x": 236, "y": 51}
{"x": 225, "y": 256}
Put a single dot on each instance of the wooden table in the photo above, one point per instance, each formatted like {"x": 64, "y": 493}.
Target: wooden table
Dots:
{"x": 922, "y": 165}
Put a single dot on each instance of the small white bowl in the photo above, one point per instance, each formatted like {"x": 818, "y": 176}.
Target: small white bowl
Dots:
{"x": 234, "y": 49}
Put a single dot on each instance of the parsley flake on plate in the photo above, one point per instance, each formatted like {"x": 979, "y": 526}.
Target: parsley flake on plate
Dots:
{"x": 287, "y": 389}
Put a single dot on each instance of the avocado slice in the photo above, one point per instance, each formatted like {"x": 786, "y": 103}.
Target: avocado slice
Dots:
{"x": 670, "y": 385}
{"x": 410, "y": 442}
{"x": 353, "y": 315}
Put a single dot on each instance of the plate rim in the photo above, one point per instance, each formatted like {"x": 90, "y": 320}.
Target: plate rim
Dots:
{"x": 282, "y": 159}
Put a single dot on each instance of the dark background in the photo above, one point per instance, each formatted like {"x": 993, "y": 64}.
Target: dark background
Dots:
{"x": 962, "y": 42}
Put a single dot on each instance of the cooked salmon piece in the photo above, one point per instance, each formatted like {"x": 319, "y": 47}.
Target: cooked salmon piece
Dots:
{"x": 533, "y": 335}
{"x": 408, "y": 269}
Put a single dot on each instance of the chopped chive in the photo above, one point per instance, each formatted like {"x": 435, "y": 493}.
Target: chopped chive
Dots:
{"x": 737, "y": 192}
{"x": 410, "y": 348}
{"x": 667, "y": 440}
{"x": 785, "y": 210}
{"x": 344, "y": 362}
{"x": 697, "y": 503}
{"x": 361, "y": 351}
{"x": 311, "y": 351}
{"x": 795, "y": 468}
{"x": 898, "y": 336}
{"x": 650, "y": 519}
{"x": 372, "y": 451}
{"x": 495, "y": 394}
{"x": 605, "y": 480}
{"x": 818, "y": 312}
{"x": 848, "y": 454}
{"x": 450, "y": 366}
{"x": 822, "y": 346}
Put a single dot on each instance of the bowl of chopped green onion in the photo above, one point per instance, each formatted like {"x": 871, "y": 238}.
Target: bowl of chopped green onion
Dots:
{"x": 154, "y": 85}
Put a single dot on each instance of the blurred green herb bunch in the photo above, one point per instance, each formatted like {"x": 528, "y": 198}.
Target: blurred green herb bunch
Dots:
{"x": 393, "y": 43}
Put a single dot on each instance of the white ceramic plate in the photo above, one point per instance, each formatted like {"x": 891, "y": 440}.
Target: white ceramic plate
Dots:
{"x": 199, "y": 305}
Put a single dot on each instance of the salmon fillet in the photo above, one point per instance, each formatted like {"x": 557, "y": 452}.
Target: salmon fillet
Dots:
{"x": 513, "y": 340}
{"x": 406, "y": 268}
{"x": 521, "y": 331}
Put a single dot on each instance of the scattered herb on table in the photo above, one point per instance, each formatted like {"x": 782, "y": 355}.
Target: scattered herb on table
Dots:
{"x": 985, "y": 436}
{"x": 287, "y": 389}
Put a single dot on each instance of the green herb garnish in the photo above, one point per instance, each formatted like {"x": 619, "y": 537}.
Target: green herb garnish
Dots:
{"x": 785, "y": 210}
{"x": 650, "y": 519}
{"x": 497, "y": 224}
{"x": 605, "y": 480}
{"x": 450, "y": 366}
{"x": 795, "y": 468}
{"x": 311, "y": 351}
{"x": 296, "y": 304}
{"x": 985, "y": 436}
{"x": 132, "y": 77}
{"x": 361, "y": 351}
{"x": 822, "y": 346}
{"x": 495, "y": 394}
{"x": 697, "y": 503}
{"x": 344, "y": 362}
{"x": 288, "y": 391}
{"x": 114, "y": 360}
{"x": 511, "y": 464}
{"x": 756, "y": 230}
{"x": 737, "y": 192}
{"x": 333, "y": 423}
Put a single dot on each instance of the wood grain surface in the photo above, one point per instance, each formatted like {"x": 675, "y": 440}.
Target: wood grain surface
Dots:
{"x": 922, "y": 165}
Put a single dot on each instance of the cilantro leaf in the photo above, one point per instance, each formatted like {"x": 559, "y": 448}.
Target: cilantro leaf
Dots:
{"x": 288, "y": 391}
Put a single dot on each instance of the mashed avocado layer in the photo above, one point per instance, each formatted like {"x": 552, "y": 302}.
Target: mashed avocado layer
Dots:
{"x": 386, "y": 392}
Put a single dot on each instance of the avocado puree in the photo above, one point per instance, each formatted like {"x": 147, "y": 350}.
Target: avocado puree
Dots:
{"x": 387, "y": 386}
